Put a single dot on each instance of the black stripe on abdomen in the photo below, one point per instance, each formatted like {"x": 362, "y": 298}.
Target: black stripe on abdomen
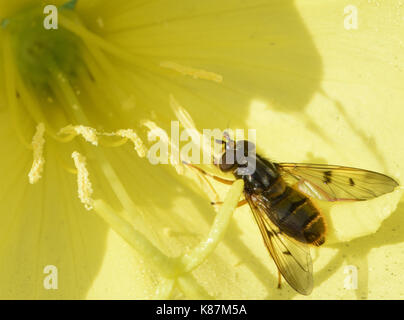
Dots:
{"x": 296, "y": 216}
{"x": 287, "y": 204}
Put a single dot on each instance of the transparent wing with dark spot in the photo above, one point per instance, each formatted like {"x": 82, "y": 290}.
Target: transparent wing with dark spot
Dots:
{"x": 291, "y": 257}
{"x": 337, "y": 183}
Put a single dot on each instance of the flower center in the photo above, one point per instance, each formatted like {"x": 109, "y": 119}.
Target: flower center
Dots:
{"x": 46, "y": 71}
{"x": 38, "y": 51}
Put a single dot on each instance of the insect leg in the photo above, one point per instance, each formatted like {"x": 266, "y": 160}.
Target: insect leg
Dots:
{"x": 203, "y": 178}
{"x": 241, "y": 203}
{"x": 225, "y": 181}
{"x": 279, "y": 279}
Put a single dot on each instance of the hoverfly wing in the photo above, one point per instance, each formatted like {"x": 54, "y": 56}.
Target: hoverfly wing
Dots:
{"x": 337, "y": 183}
{"x": 292, "y": 258}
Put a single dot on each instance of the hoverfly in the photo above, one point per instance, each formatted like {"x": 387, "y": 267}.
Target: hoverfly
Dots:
{"x": 280, "y": 197}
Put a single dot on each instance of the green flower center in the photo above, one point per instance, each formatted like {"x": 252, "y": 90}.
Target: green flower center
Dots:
{"x": 38, "y": 50}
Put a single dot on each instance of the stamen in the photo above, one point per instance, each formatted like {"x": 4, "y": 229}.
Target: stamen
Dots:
{"x": 195, "y": 73}
{"x": 138, "y": 143}
{"x": 110, "y": 144}
{"x": 38, "y": 143}
{"x": 84, "y": 186}
{"x": 80, "y": 117}
{"x": 183, "y": 116}
{"x": 32, "y": 105}
{"x": 89, "y": 37}
{"x": 88, "y": 133}
{"x": 154, "y": 132}
{"x": 186, "y": 121}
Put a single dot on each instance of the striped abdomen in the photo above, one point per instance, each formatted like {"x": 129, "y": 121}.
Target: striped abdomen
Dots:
{"x": 295, "y": 214}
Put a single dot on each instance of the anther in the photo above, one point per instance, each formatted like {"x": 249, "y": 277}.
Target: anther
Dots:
{"x": 84, "y": 186}
{"x": 38, "y": 142}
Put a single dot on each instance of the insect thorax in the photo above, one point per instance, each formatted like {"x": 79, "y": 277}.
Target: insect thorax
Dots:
{"x": 262, "y": 178}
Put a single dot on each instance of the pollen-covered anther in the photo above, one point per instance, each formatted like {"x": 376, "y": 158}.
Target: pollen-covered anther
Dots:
{"x": 182, "y": 115}
{"x": 193, "y": 72}
{"x": 137, "y": 142}
{"x": 156, "y": 131}
{"x": 88, "y": 133}
{"x": 188, "y": 123}
{"x": 84, "y": 186}
{"x": 38, "y": 142}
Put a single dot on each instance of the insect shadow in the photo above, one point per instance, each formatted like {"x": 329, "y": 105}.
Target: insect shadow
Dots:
{"x": 289, "y": 82}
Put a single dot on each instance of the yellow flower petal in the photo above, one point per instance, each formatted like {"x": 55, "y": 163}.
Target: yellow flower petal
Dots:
{"x": 314, "y": 91}
{"x": 41, "y": 226}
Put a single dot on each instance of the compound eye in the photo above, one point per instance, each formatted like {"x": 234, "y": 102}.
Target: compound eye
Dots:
{"x": 224, "y": 166}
